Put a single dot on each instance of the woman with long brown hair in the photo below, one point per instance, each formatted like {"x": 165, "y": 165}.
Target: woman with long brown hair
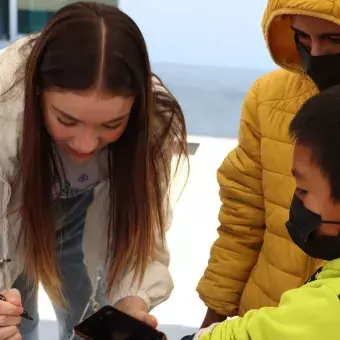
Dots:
{"x": 87, "y": 137}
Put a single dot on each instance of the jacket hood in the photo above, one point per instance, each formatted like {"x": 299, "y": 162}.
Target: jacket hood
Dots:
{"x": 278, "y": 34}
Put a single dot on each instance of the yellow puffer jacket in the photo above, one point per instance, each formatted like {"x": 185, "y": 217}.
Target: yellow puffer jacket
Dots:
{"x": 254, "y": 261}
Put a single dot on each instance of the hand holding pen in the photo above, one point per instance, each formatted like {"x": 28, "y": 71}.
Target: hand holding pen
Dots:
{"x": 11, "y": 311}
{"x": 24, "y": 314}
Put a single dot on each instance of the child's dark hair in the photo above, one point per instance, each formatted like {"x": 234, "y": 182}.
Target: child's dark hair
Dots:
{"x": 317, "y": 126}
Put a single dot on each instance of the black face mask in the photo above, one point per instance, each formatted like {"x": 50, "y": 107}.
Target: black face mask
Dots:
{"x": 324, "y": 70}
{"x": 302, "y": 227}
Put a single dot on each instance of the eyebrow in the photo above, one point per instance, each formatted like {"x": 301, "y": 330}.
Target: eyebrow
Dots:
{"x": 70, "y": 117}
{"x": 297, "y": 174}
{"x": 330, "y": 34}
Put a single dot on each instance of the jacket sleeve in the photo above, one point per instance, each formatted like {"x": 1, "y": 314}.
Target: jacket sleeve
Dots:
{"x": 157, "y": 283}
{"x": 303, "y": 313}
{"x": 241, "y": 217}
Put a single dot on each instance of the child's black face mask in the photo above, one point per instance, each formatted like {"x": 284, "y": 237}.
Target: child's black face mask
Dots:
{"x": 302, "y": 227}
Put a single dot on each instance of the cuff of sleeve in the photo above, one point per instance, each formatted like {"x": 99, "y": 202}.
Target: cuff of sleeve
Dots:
{"x": 205, "y": 331}
{"x": 139, "y": 294}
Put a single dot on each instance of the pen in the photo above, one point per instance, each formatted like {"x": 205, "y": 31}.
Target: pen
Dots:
{"x": 24, "y": 314}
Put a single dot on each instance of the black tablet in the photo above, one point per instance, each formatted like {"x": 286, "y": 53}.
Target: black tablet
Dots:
{"x": 109, "y": 323}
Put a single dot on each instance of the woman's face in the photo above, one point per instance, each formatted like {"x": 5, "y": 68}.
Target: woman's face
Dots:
{"x": 82, "y": 123}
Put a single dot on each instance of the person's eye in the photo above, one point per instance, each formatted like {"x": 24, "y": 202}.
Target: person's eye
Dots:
{"x": 112, "y": 127}
{"x": 304, "y": 40}
{"x": 334, "y": 40}
{"x": 66, "y": 123}
{"x": 302, "y": 36}
{"x": 301, "y": 192}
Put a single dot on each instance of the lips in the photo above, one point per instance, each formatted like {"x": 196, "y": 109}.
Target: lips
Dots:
{"x": 79, "y": 154}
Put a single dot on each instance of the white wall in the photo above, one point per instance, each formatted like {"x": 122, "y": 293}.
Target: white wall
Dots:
{"x": 52, "y": 5}
{"x": 202, "y": 32}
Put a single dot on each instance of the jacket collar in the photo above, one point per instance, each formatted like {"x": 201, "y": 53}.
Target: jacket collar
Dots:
{"x": 11, "y": 106}
{"x": 330, "y": 270}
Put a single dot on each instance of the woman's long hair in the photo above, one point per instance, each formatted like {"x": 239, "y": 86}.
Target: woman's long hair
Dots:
{"x": 94, "y": 46}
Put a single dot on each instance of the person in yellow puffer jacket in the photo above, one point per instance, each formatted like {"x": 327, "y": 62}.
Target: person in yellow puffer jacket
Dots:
{"x": 311, "y": 311}
{"x": 254, "y": 261}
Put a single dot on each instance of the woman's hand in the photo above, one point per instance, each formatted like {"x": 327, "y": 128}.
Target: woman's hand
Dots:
{"x": 10, "y": 318}
{"x": 136, "y": 307}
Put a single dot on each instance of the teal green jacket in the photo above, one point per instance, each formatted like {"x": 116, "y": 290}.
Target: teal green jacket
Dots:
{"x": 311, "y": 312}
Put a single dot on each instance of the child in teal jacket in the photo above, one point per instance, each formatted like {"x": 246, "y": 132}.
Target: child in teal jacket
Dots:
{"x": 313, "y": 311}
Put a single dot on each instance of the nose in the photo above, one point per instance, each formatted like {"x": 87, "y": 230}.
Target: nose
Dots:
{"x": 318, "y": 48}
{"x": 85, "y": 142}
